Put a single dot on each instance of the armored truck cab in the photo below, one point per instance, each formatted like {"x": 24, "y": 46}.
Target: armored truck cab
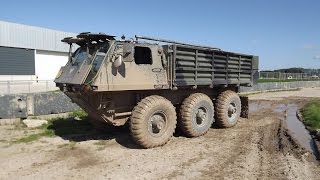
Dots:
{"x": 152, "y": 87}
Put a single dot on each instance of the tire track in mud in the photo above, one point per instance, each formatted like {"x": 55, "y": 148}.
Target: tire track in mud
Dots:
{"x": 242, "y": 158}
{"x": 261, "y": 148}
{"x": 269, "y": 145}
{"x": 283, "y": 150}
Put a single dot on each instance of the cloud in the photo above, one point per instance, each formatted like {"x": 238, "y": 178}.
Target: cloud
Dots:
{"x": 310, "y": 47}
{"x": 254, "y": 41}
{"x": 317, "y": 57}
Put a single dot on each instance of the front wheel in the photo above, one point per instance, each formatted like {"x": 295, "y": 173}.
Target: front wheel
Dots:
{"x": 153, "y": 121}
{"x": 228, "y": 109}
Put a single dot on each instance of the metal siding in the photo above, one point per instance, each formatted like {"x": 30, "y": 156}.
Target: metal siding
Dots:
{"x": 24, "y": 36}
{"x": 15, "y": 61}
{"x": 194, "y": 66}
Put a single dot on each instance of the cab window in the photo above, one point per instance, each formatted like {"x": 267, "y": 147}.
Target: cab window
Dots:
{"x": 142, "y": 55}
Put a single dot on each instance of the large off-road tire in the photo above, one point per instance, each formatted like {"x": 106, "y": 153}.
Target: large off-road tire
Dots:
{"x": 196, "y": 115}
{"x": 153, "y": 121}
{"x": 228, "y": 109}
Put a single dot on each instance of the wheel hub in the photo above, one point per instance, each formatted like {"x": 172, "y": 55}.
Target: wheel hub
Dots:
{"x": 157, "y": 123}
{"x": 201, "y": 116}
{"x": 232, "y": 110}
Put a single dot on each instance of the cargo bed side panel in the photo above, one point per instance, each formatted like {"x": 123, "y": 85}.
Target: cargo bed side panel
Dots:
{"x": 208, "y": 67}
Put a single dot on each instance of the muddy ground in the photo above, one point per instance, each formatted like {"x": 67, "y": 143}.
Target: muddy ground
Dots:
{"x": 260, "y": 147}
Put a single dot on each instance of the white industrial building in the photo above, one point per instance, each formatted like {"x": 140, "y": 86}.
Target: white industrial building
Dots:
{"x": 31, "y": 53}
{"x": 30, "y": 57}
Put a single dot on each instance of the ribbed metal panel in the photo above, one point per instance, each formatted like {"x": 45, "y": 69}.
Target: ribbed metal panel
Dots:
{"x": 15, "y": 61}
{"x": 30, "y": 37}
{"x": 196, "y": 66}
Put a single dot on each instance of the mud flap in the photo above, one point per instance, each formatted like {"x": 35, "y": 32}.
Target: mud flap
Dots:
{"x": 244, "y": 106}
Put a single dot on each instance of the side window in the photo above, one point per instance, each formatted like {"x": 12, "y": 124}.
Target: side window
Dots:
{"x": 142, "y": 55}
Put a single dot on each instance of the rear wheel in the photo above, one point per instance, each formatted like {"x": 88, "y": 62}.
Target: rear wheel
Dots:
{"x": 153, "y": 121}
{"x": 228, "y": 109}
{"x": 196, "y": 114}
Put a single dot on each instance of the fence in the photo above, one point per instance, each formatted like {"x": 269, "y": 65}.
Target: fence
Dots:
{"x": 34, "y": 86}
{"x": 279, "y": 86}
{"x": 26, "y": 86}
{"x": 279, "y": 75}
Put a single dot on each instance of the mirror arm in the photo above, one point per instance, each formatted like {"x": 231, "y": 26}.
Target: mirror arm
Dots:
{"x": 70, "y": 53}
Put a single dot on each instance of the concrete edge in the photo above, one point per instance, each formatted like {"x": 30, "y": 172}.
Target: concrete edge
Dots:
{"x": 271, "y": 90}
{"x": 4, "y": 122}
{"x": 51, "y": 116}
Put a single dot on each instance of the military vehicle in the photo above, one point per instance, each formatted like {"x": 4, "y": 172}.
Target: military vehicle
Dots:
{"x": 155, "y": 85}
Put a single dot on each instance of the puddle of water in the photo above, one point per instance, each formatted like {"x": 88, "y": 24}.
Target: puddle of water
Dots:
{"x": 280, "y": 108}
{"x": 297, "y": 128}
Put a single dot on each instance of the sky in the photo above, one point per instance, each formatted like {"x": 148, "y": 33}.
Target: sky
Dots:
{"x": 283, "y": 33}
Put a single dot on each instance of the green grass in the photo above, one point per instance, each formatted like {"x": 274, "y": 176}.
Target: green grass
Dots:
{"x": 80, "y": 114}
{"x": 46, "y": 132}
{"x": 311, "y": 114}
{"x": 59, "y": 127}
{"x": 284, "y": 80}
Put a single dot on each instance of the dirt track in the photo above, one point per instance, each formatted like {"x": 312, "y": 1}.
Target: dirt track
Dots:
{"x": 257, "y": 148}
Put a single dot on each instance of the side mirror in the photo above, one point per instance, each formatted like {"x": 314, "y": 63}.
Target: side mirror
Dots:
{"x": 118, "y": 61}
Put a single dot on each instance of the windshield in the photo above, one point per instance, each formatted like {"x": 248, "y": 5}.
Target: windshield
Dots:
{"x": 80, "y": 55}
{"x": 97, "y": 62}
{"x": 83, "y": 54}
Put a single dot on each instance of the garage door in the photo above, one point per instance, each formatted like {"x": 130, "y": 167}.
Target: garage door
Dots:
{"x": 15, "y": 61}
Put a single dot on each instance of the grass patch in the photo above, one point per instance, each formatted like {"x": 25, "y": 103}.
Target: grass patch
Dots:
{"x": 46, "y": 132}
{"x": 284, "y": 80}
{"x": 74, "y": 128}
{"x": 79, "y": 114}
{"x": 311, "y": 114}
{"x": 70, "y": 127}
{"x": 62, "y": 127}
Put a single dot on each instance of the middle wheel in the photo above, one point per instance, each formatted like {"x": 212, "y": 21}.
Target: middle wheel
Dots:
{"x": 153, "y": 121}
{"x": 196, "y": 115}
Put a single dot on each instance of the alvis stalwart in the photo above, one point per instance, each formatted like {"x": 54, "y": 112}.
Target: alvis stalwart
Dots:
{"x": 156, "y": 85}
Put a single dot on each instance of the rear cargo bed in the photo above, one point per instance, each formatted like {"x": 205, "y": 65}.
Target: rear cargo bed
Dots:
{"x": 196, "y": 66}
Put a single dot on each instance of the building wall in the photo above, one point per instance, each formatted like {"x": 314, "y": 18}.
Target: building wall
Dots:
{"x": 47, "y": 64}
{"x": 31, "y": 37}
{"x": 18, "y": 78}
{"x": 22, "y": 65}
{"x": 30, "y": 53}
